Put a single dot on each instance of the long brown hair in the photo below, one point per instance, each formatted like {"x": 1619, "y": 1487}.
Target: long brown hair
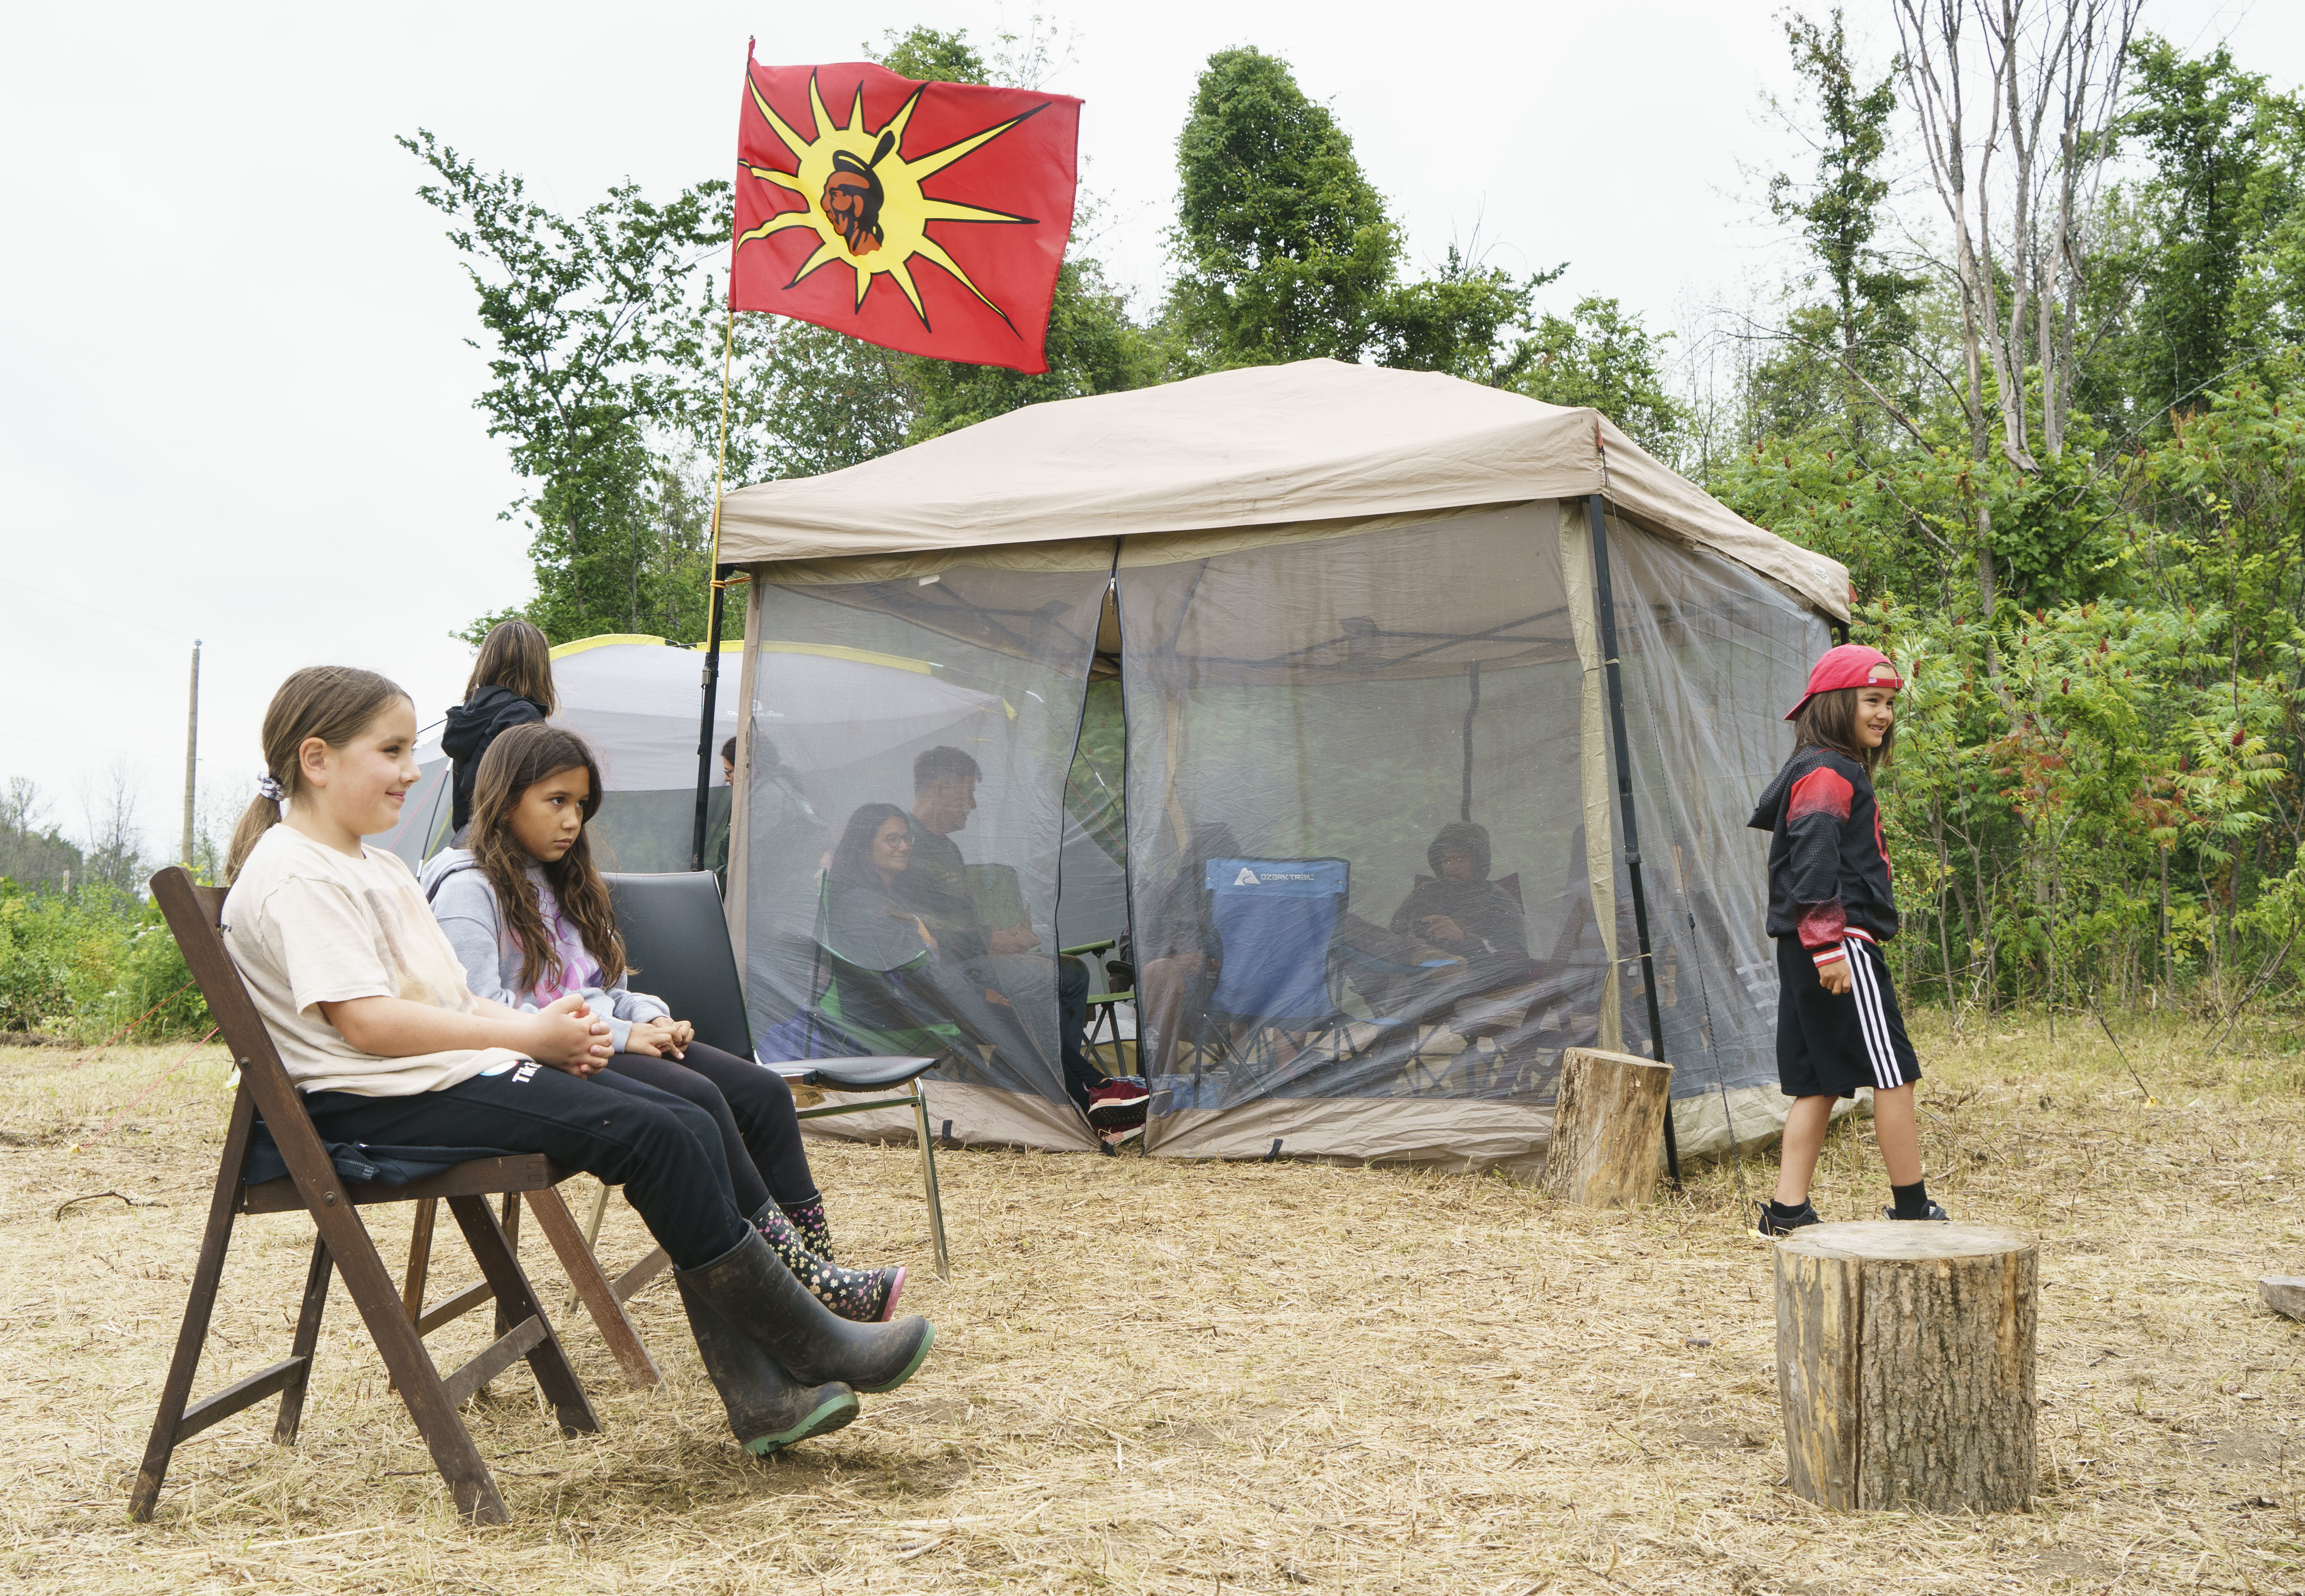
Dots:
{"x": 333, "y": 702}
{"x": 852, "y": 859}
{"x": 516, "y": 655}
{"x": 1829, "y": 720}
{"x": 515, "y": 762}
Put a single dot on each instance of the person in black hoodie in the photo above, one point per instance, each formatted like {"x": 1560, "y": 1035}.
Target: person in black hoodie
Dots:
{"x": 511, "y": 685}
{"x": 1830, "y": 908}
{"x": 1461, "y": 912}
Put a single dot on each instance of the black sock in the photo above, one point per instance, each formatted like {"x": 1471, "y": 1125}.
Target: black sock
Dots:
{"x": 1788, "y": 1210}
{"x": 1913, "y": 1200}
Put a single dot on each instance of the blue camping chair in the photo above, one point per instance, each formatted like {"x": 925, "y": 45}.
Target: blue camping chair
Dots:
{"x": 1277, "y": 920}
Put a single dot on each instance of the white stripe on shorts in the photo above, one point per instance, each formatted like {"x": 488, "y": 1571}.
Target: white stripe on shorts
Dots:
{"x": 1872, "y": 1020}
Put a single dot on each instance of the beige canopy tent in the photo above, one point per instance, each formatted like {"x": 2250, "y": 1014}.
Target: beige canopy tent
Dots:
{"x": 1347, "y": 607}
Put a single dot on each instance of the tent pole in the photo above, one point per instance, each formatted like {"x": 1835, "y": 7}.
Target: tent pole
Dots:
{"x": 1473, "y": 676}
{"x": 712, "y": 627}
{"x": 704, "y": 728}
{"x": 1605, "y": 603}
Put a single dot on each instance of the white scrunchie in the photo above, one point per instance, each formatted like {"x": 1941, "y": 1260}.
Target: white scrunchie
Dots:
{"x": 269, "y": 788}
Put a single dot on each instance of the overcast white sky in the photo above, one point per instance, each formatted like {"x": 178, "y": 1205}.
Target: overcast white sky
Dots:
{"x": 237, "y": 401}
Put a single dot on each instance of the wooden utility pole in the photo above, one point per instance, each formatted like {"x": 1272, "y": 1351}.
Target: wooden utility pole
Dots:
{"x": 191, "y": 753}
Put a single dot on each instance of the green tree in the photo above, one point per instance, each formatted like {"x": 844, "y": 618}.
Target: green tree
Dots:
{"x": 1462, "y": 321}
{"x": 588, "y": 339}
{"x": 1848, "y": 347}
{"x": 1285, "y": 248}
{"x": 33, "y": 853}
{"x": 2219, "y": 191}
{"x": 1600, "y": 356}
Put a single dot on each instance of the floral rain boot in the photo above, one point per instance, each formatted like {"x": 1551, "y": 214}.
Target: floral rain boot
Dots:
{"x": 808, "y": 1218}
{"x": 866, "y": 1296}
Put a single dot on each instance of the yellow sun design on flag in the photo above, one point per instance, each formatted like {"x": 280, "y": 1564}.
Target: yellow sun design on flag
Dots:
{"x": 863, "y": 200}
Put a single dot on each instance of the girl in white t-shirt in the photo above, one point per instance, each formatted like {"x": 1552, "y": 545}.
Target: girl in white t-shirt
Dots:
{"x": 377, "y": 1026}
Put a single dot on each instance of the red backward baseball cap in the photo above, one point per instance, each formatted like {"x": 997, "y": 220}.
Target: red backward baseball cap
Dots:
{"x": 1851, "y": 664}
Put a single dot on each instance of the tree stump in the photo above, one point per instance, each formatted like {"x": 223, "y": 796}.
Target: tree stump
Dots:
{"x": 1608, "y": 1129}
{"x": 2284, "y": 1294}
{"x": 1905, "y": 1365}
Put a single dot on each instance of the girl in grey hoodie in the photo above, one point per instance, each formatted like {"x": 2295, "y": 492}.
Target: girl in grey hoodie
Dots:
{"x": 529, "y": 918}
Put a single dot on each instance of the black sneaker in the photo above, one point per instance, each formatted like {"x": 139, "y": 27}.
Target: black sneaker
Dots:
{"x": 1772, "y": 1223}
{"x": 1937, "y": 1211}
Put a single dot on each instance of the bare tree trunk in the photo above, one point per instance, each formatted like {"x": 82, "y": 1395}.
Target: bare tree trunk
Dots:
{"x": 2025, "y": 50}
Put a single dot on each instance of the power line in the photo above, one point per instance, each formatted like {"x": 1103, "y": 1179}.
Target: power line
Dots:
{"x": 113, "y": 614}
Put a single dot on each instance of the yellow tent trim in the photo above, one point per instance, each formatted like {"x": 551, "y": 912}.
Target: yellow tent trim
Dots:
{"x": 841, "y": 651}
{"x": 736, "y": 645}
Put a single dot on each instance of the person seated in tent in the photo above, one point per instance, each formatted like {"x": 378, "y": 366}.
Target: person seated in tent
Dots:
{"x": 1178, "y": 951}
{"x": 939, "y": 884}
{"x": 952, "y": 901}
{"x": 1458, "y": 911}
{"x": 719, "y": 810}
{"x": 878, "y": 946}
{"x": 787, "y": 846}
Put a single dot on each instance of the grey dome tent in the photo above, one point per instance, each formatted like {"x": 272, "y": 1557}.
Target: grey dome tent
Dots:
{"x": 1346, "y": 607}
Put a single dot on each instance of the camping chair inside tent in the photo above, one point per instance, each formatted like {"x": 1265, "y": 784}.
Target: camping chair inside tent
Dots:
{"x": 871, "y": 991}
{"x": 1397, "y": 1031}
{"x": 1496, "y": 1026}
{"x": 1276, "y": 920}
{"x": 1280, "y": 1008}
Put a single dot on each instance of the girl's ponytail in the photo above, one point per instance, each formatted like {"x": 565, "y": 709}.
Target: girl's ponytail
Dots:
{"x": 333, "y": 702}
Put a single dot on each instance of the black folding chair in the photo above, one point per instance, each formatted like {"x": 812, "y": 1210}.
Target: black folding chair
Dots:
{"x": 676, "y": 934}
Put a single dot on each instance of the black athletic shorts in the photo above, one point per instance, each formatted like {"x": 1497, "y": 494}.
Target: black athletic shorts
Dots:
{"x": 1829, "y": 1045}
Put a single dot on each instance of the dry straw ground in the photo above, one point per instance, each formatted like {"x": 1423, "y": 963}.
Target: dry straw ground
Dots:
{"x": 1186, "y": 1378}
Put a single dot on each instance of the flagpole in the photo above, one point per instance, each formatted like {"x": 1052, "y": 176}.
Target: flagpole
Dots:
{"x": 719, "y": 596}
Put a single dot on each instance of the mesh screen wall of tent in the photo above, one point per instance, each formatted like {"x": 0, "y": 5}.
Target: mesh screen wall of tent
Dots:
{"x": 1316, "y": 700}
{"x": 1410, "y": 710}
{"x": 944, "y": 944}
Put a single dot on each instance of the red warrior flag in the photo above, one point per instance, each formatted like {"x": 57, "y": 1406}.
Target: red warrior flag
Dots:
{"x": 929, "y": 217}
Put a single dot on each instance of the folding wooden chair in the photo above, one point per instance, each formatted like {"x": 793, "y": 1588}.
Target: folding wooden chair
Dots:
{"x": 343, "y": 1242}
{"x": 603, "y": 1298}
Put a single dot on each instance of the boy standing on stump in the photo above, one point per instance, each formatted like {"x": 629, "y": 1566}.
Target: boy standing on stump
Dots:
{"x": 1830, "y": 908}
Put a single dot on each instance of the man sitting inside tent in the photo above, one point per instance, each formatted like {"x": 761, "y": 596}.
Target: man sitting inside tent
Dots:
{"x": 952, "y": 900}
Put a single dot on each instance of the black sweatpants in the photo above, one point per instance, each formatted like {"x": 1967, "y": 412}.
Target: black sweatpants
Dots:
{"x": 665, "y": 1153}
{"x": 753, "y": 1107}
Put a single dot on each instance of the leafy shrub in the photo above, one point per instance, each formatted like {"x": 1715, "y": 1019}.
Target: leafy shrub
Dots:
{"x": 89, "y": 962}
{"x": 156, "y": 978}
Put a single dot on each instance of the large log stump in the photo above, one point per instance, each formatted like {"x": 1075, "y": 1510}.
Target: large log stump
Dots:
{"x": 1905, "y": 1364}
{"x": 2284, "y": 1294}
{"x": 1608, "y": 1129}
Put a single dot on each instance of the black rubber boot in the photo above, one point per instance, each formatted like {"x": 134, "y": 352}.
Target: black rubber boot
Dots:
{"x": 768, "y": 1409}
{"x": 755, "y": 1292}
{"x": 868, "y": 1296}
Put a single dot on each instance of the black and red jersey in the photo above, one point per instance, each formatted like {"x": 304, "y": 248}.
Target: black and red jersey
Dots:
{"x": 1828, "y": 868}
